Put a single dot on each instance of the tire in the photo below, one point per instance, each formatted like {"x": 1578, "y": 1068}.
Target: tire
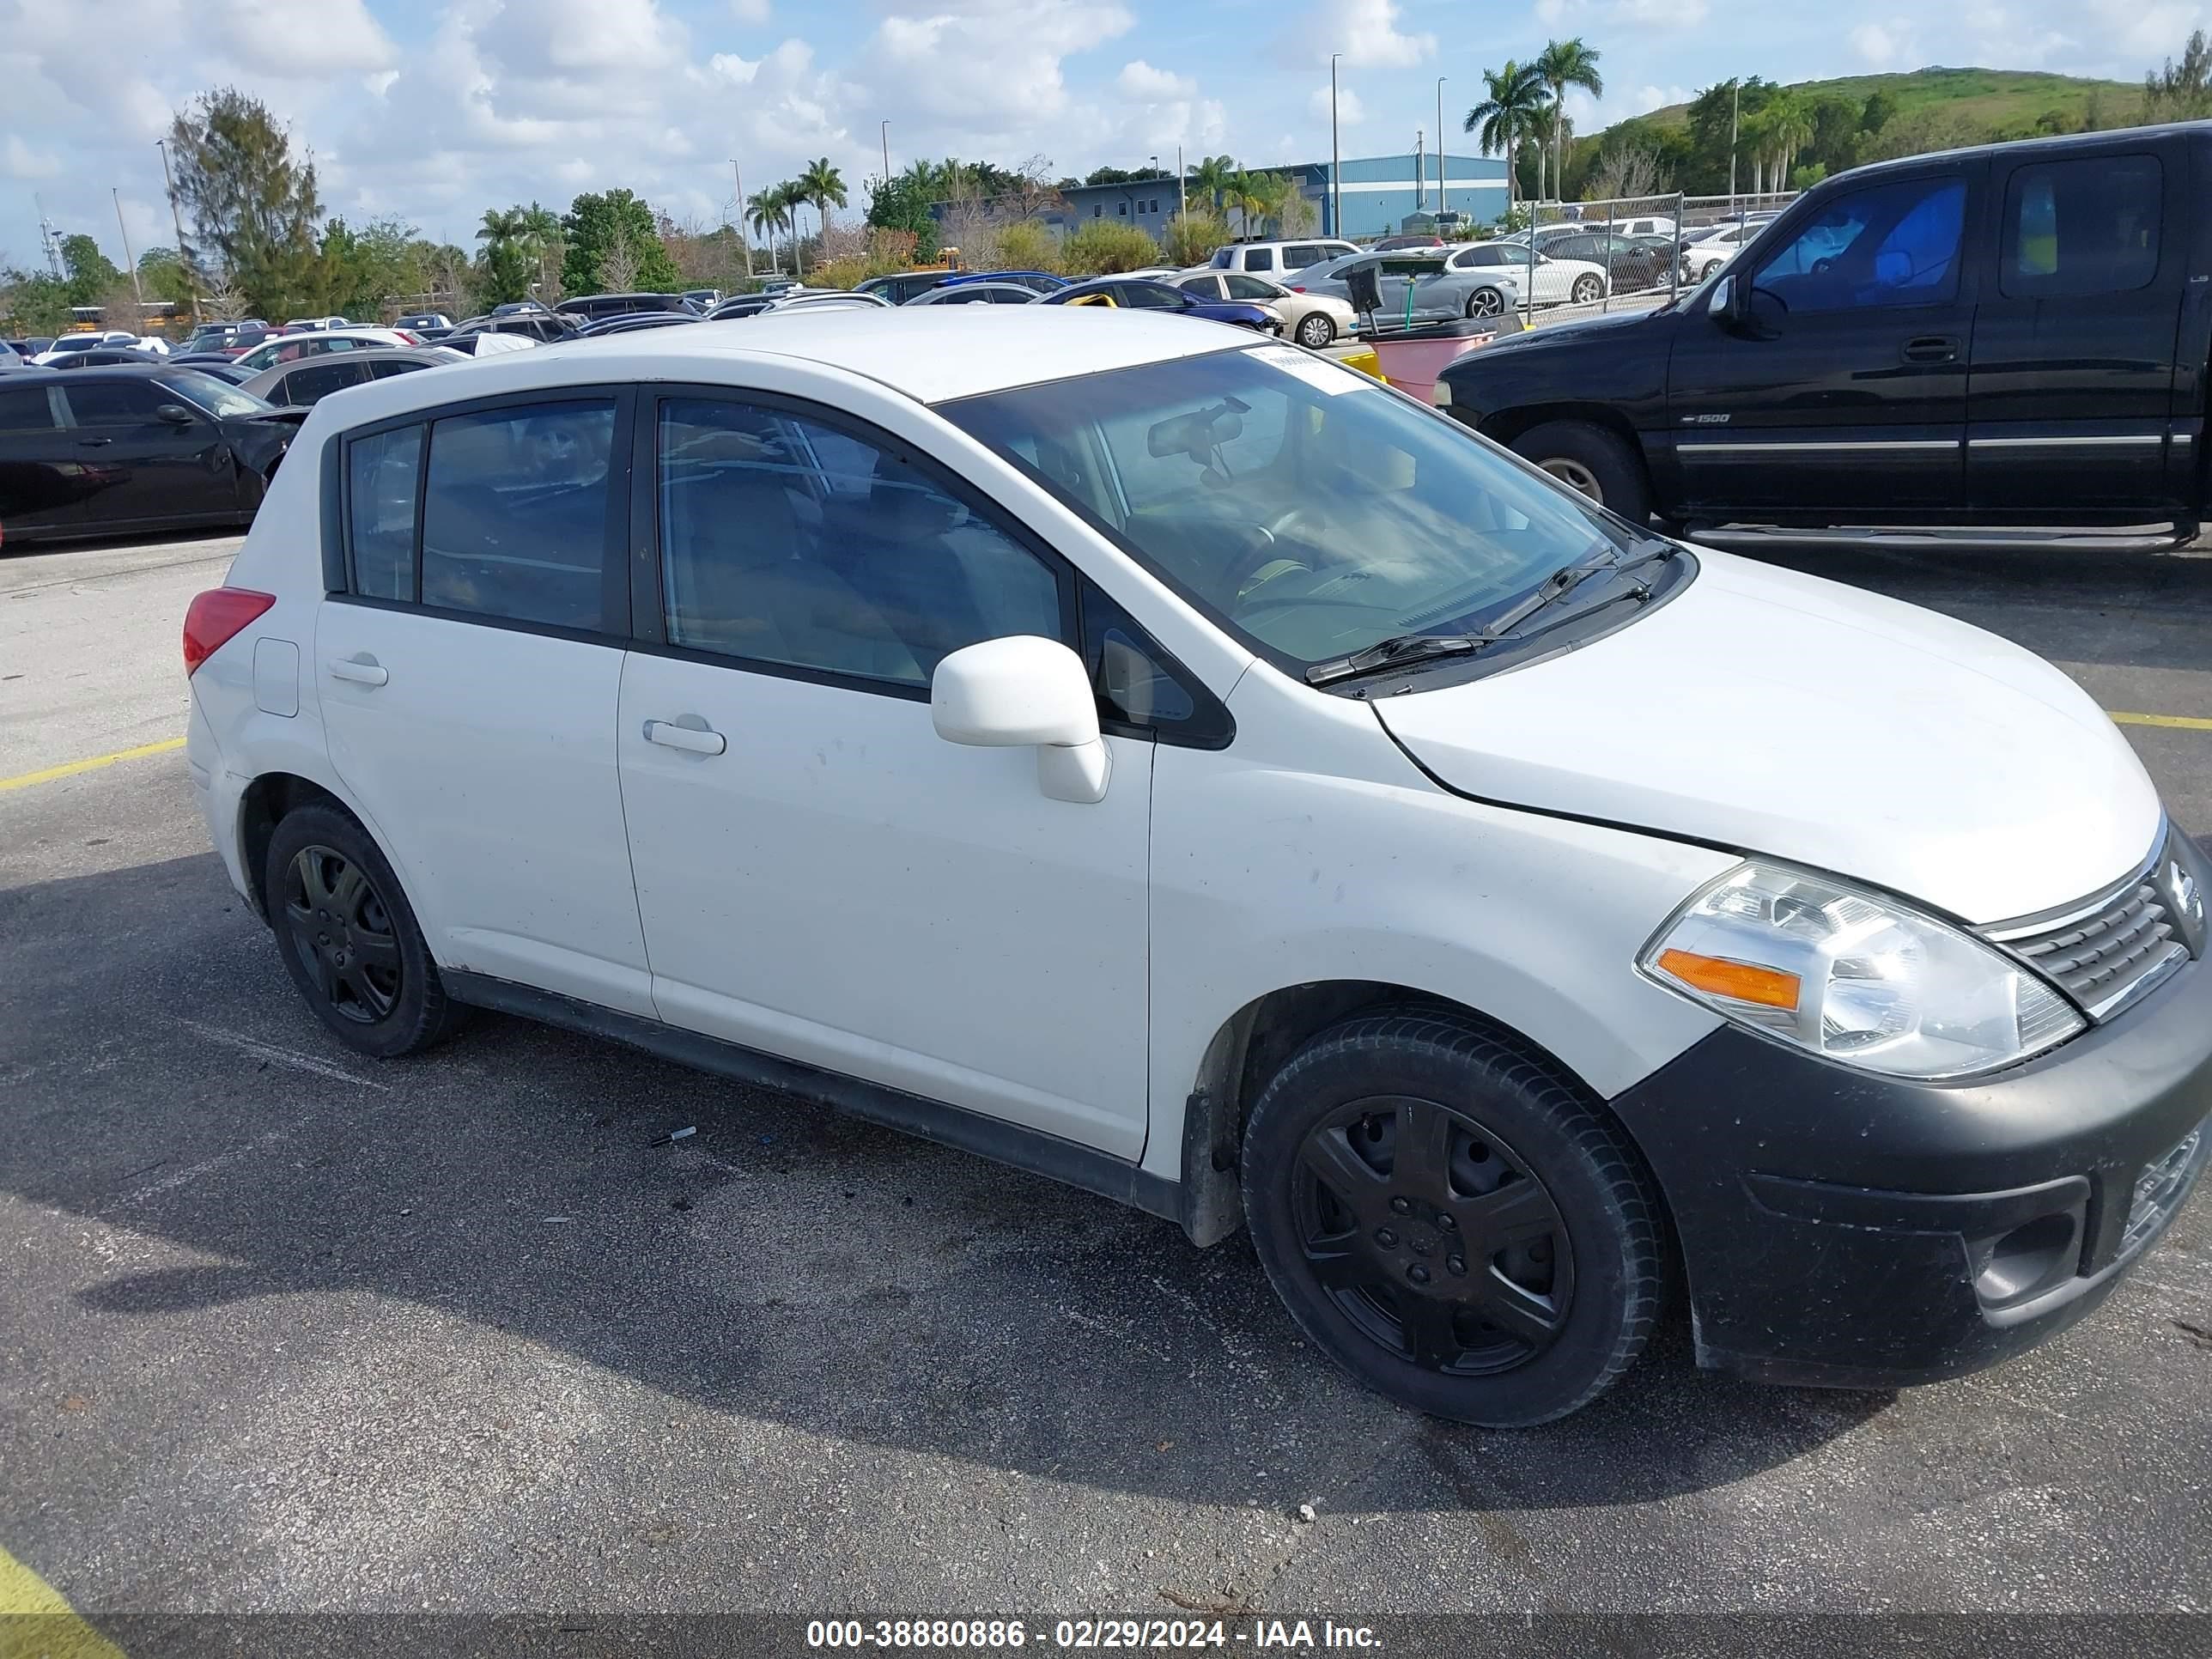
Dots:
{"x": 1587, "y": 290}
{"x": 1316, "y": 330}
{"x": 1359, "y": 1245}
{"x": 1597, "y": 462}
{"x": 348, "y": 937}
{"x": 1485, "y": 302}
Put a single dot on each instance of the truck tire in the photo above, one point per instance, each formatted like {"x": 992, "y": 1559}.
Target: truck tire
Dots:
{"x": 1597, "y": 462}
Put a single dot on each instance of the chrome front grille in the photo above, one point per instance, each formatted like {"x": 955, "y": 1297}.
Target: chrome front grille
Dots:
{"x": 2106, "y": 951}
{"x": 2160, "y": 1189}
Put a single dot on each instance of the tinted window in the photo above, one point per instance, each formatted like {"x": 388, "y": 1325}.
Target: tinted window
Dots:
{"x": 380, "y": 477}
{"x": 113, "y": 403}
{"x": 384, "y": 368}
{"x": 1298, "y": 258}
{"x": 965, "y": 296}
{"x": 1128, "y": 670}
{"x": 1148, "y": 296}
{"x": 1260, "y": 259}
{"x": 514, "y": 516}
{"x": 1888, "y": 245}
{"x": 1251, "y": 288}
{"x": 786, "y": 540}
{"x": 1011, "y": 296}
{"x": 2086, "y": 227}
{"x": 25, "y": 409}
{"x": 303, "y": 386}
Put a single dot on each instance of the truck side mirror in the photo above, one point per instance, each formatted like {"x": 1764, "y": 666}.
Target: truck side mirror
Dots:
{"x": 1722, "y": 307}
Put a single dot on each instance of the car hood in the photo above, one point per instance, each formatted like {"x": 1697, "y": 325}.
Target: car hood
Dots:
{"x": 1783, "y": 715}
{"x": 1552, "y": 335}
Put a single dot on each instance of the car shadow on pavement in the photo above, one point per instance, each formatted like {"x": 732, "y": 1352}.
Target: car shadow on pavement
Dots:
{"x": 783, "y": 1264}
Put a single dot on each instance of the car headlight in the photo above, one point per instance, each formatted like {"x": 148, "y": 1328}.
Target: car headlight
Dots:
{"x": 1854, "y": 975}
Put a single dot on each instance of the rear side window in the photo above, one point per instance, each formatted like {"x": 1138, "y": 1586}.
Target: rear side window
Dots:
{"x": 1298, "y": 258}
{"x": 2085, "y": 227}
{"x": 515, "y": 514}
{"x": 303, "y": 386}
{"x": 25, "y": 409}
{"x": 384, "y": 368}
{"x": 1260, "y": 259}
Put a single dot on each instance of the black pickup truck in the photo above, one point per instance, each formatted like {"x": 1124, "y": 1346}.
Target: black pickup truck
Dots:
{"x": 2014, "y": 335}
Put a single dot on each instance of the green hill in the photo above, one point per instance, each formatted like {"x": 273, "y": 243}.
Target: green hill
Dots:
{"x": 2012, "y": 98}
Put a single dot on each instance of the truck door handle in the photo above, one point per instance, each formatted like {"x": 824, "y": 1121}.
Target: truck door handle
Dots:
{"x": 692, "y": 739}
{"x": 362, "y": 670}
{"x": 1931, "y": 348}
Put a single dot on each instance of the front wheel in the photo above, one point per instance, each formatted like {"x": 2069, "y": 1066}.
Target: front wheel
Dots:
{"x": 1485, "y": 302}
{"x": 1316, "y": 330}
{"x": 1588, "y": 291}
{"x": 1445, "y": 1218}
{"x": 1593, "y": 460}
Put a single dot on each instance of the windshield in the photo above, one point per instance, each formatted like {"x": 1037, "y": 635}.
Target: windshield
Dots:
{"x": 79, "y": 342}
{"x": 216, "y": 397}
{"x": 1308, "y": 510}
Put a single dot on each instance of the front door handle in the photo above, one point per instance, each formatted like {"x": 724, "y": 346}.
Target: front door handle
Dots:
{"x": 93, "y": 443}
{"x": 692, "y": 739}
{"x": 1931, "y": 348}
{"x": 361, "y": 670}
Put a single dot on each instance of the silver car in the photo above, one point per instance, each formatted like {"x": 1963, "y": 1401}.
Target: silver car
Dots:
{"x": 297, "y": 384}
{"x": 1416, "y": 283}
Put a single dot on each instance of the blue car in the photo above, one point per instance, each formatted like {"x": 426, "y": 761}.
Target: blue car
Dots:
{"x": 1137, "y": 294}
{"x": 1043, "y": 281}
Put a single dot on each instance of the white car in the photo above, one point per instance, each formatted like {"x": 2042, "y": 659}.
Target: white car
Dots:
{"x": 1279, "y": 259}
{"x": 1178, "y": 765}
{"x": 290, "y": 348}
{"x": 68, "y": 344}
{"x": 1556, "y": 282}
{"x": 1702, "y": 258}
{"x": 1314, "y": 320}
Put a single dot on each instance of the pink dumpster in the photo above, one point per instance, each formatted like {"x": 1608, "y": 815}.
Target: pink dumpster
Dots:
{"x": 1412, "y": 358}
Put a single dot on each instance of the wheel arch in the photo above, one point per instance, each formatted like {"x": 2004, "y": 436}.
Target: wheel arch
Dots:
{"x": 266, "y": 802}
{"x": 1254, "y": 1043}
{"x": 1505, "y": 425}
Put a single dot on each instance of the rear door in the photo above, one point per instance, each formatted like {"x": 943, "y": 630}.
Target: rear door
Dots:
{"x": 150, "y": 470}
{"x": 44, "y": 479}
{"x": 1842, "y": 399}
{"x": 2073, "y": 368}
{"x": 469, "y": 677}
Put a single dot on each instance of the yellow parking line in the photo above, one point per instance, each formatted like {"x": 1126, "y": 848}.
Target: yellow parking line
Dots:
{"x": 35, "y": 1620}
{"x": 2184, "y": 722}
{"x": 25, "y": 780}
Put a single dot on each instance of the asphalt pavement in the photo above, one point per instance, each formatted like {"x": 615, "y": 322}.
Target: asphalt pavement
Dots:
{"x": 288, "y": 1330}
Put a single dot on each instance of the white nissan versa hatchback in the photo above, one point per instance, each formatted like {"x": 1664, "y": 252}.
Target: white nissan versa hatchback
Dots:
{"x": 1180, "y": 765}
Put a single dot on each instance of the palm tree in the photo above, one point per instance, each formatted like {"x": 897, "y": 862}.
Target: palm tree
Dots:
{"x": 1516, "y": 93}
{"x": 1562, "y": 64}
{"x": 825, "y": 186}
{"x": 1243, "y": 193}
{"x": 1785, "y": 126}
{"x": 769, "y": 210}
{"x": 1209, "y": 178}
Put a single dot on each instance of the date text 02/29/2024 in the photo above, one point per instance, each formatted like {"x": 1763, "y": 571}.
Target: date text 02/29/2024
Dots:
{"x": 1124, "y": 1634}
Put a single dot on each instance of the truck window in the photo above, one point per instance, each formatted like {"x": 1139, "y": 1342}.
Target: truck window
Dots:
{"x": 1888, "y": 245}
{"x": 2084, "y": 227}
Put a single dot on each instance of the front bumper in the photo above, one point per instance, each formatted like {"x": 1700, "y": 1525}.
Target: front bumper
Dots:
{"x": 1844, "y": 1229}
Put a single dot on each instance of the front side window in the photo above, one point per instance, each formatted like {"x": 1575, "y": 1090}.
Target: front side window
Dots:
{"x": 514, "y": 512}
{"x": 1309, "y": 513}
{"x": 1256, "y": 288}
{"x": 1894, "y": 244}
{"x": 1148, "y": 296}
{"x": 2085, "y": 227}
{"x": 786, "y": 539}
{"x": 113, "y": 403}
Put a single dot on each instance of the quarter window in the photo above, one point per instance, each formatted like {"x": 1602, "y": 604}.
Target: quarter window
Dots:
{"x": 2085, "y": 227}
{"x": 381, "y": 473}
{"x": 784, "y": 539}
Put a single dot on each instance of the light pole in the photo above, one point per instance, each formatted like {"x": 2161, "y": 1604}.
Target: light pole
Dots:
{"x": 1335, "y": 162}
{"x": 137, "y": 292}
{"x": 1182, "y": 201}
{"x": 887, "y": 155}
{"x": 191, "y": 285}
{"x": 744, "y": 235}
{"x": 1443, "y": 201}
{"x": 1736, "y": 105}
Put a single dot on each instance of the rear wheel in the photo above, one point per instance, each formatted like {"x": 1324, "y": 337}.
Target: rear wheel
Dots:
{"x": 1444, "y": 1216}
{"x": 1597, "y": 462}
{"x": 1316, "y": 330}
{"x": 1485, "y": 302}
{"x": 350, "y": 938}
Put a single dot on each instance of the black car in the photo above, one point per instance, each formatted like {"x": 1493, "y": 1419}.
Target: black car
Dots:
{"x": 107, "y": 357}
{"x": 1142, "y": 294}
{"x": 97, "y": 452}
{"x": 2014, "y": 335}
{"x": 592, "y": 306}
{"x": 539, "y": 324}
{"x": 632, "y": 324}
{"x": 1635, "y": 263}
{"x": 904, "y": 285}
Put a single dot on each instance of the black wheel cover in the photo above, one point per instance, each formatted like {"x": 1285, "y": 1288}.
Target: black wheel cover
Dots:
{"x": 342, "y": 933}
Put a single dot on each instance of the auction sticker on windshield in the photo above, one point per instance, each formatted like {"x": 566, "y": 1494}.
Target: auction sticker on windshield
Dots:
{"x": 1317, "y": 371}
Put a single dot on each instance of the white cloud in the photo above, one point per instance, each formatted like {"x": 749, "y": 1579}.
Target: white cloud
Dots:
{"x": 272, "y": 37}
{"x": 981, "y": 65}
{"x": 1141, "y": 80}
{"x": 749, "y": 11}
{"x": 1660, "y": 14}
{"x": 18, "y": 160}
{"x": 1350, "y": 112}
{"x": 1881, "y": 45}
{"x": 1366, "y": 32}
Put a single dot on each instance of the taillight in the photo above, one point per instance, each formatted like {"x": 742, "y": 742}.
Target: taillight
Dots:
{"x": 1295, "y": 288}
{"x": 409, "y": 335}
{"x": 214, "y": 618}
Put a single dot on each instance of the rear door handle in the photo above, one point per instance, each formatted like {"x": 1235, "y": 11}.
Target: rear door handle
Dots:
{"x": 692, "y": 739}
{"x": 1931, "y": 348}
{"x": 363, "y": 670}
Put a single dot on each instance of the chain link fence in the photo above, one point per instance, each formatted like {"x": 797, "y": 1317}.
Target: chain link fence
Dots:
{"x": 1630, "y": 252}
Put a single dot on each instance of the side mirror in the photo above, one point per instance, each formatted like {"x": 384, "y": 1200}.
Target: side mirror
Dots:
{"x": 1025, "y": 692}
{"x": 175, "y": 415}
{"x": 1722, "y": 306}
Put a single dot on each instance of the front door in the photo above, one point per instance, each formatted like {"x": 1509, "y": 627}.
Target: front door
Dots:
{"x": 821, "y": 876}
{"x": 469, "y": 677}
{"x": 153, "y": 470}
{"x": 2074, "y": 340}
{"x": 1841, "y": 398}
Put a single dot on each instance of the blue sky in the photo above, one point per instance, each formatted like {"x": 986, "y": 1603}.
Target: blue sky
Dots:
{"x": 434, "y": 110}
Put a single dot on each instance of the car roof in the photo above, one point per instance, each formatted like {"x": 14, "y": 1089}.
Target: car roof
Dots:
{"x": 930, "y": 354}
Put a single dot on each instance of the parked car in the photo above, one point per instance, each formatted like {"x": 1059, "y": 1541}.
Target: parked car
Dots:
{"x": 1419, "y": 285}
{"x": 973, "y": 294}
{"x": 2012, "y": 335}
{"x": 1395, "y": 244}
{"x": 316, "y": 343}
{"x": 419, "y": 322}
{"x": 94, "y": 452}
{"x": 231, "y": 339}
{"x": 88, "y": 340}
{"x": 590, "y": 307}
{"x": 106, "y": 357}
{"x": 215, "y": 364}
{"x": 1312, "y": 319}
{"x": 1282, "y": 767}
{"x": 1135, "y": 294}
{"x": 1631, "y": 264}
{"x": 901, "y": 286}
{"x": 490, "y": 342}
{"x": 31, "y": 345}
{"x": 746, "y": 305}
{"x": 11, "y": 360}
{"x": 1548, "y": 281}
{"x": 314, "y": 325}
{"x": 534, "y": 323}
{"x": 301, "y": 384}
{"x": 1711, "y": 251}
{"x": 632, "y": 322}
{"x": 1037, "y": 282}
{"x": 705, "y": 299}
{"x": 1279, "y": 259}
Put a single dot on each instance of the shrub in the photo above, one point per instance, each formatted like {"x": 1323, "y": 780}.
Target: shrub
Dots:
{"x": 1100, "y": 249}
{"x": 1193, "y": 235}
{"x": 1027, "y": 246}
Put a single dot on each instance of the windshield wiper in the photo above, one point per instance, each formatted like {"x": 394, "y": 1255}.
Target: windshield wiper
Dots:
{"x": 1563, "y": 581}
{"x": 1391, "y": 652}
